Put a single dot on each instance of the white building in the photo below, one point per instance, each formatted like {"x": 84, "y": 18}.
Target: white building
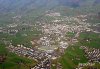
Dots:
{"x": 63, "y": 44}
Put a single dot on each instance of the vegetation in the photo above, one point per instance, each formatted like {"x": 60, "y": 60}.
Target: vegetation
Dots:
{"x": 73, "y": 55}
{"x": 32, "y": 11}
{"x": 22, "y": 37}
{"x": 13, "y": 61}
{"x": 90, "y": 39}
{"x": 70, "y": 34}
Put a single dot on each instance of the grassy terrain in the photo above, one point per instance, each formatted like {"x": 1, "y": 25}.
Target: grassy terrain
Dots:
{"x": 20, "y": 38}
{"x": 90, "y": 39}
{"x": 13, "y": 61}
{"x": 73, "y": 55}
{"x": 70, "y": 34}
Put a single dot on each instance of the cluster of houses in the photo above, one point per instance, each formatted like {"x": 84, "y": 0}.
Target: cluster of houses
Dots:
{"x": 45, "y": 64}
{"x": 14, "y": 28}
{"x": 10, "y": 29}
{"x": 59, "y": 66}
{"x": 45, "y": 41}
{"x": 53, "y": 37}
{"x": 28, "y": 52}
{"x": 92, "y": 54}
{"x": 1, "y": 29}
{"x": 58, "y": 31}
{"x": 88, "y": 64}
{"x": 53, "y": 34}
{"x": 42, "y": 58}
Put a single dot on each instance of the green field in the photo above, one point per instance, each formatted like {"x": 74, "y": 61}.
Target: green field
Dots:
{"x": 20, "y": 37}
{"x": 73, "y": 55}
{"x": 70, "y": 34}
{"x": 90, "y": 39}
{"x": 13, "y": 61}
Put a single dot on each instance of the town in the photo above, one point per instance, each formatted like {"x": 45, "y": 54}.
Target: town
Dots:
{"x": 53, "y": 39}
